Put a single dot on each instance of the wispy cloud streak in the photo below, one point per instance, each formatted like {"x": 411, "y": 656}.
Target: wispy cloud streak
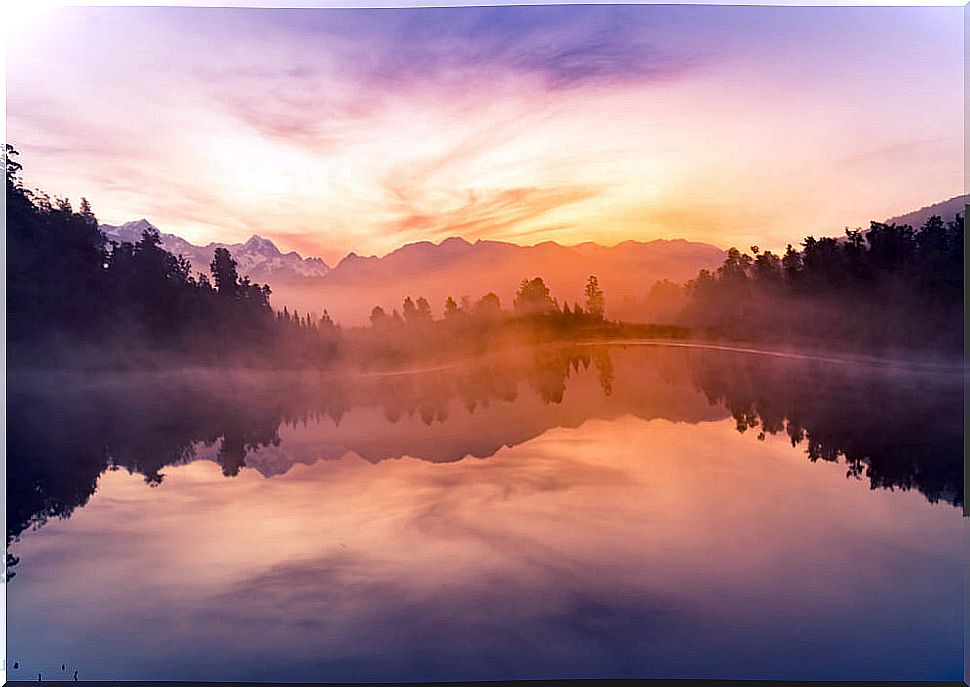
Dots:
{"x": 361, "y": 129}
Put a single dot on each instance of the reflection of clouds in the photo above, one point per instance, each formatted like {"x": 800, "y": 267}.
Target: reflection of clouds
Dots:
{"x": 353, "y": 614}
{"x": 599, "y": 543}
{"x": 454, "y": 500}
{"x": 472, "y": 592}
{"x": 474, "y": 589}
{"x": 592, "y": 551}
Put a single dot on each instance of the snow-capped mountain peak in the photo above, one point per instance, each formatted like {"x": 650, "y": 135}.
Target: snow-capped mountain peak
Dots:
{"x": 258, "y": 244}
{"x": 258, "y": 258}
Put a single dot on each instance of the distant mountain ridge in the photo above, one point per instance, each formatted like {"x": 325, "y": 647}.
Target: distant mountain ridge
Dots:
{"x": 258, "y": 258}
{"x": 456, "y": 267}
{"x": 548, "y": 258}
{"x": 948, "y": 209}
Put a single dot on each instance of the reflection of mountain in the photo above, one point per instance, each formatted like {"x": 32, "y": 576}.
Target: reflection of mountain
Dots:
{"x": 65, "y": 431}
{"x": 475, "y": 411}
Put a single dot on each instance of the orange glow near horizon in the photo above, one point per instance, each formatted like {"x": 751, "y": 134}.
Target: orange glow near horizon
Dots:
{"x": 216, "y": 124}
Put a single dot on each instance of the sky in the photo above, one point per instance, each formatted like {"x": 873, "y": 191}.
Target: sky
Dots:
{"x": 337, "y": 130}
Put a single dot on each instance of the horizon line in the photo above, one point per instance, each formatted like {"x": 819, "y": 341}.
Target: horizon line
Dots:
{"x": 410, "y": 243}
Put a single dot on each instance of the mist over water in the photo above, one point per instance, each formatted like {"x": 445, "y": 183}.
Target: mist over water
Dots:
{"x": 552, "y": 511}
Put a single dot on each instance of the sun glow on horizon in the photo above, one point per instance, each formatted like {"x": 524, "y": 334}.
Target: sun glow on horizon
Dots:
{"x": 331, "y": 131}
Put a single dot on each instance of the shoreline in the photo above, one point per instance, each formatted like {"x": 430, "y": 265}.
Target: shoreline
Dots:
{"x": 901, "y": 361}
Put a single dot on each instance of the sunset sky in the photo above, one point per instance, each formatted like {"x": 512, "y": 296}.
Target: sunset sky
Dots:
{"x": 359, "y": 130}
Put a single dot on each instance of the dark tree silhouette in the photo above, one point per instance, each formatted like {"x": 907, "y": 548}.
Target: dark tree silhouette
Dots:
{"x": 224, "y": 273}
{"x": 451, "y": 307}
{"x": 534, "y": 298}
{"x": 488, "y": 304}
{"x": 76, "y": 299}
{"x": 595, "y": 302}
{"x": 889, "y": 287}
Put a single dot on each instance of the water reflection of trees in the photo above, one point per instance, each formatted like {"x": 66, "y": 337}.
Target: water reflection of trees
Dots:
{"x": 63, "y": 433}
{"x": 62, "y": 436}
{"x": 545, "y": 372}
{"x": 898, "y": 430}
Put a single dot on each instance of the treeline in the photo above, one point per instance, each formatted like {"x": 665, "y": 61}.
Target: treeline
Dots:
{"x": 73, "y": 296}
{"x": 886, "y": 288}
{"x": 474, "y": 327}
{"x": 77, "y": 299}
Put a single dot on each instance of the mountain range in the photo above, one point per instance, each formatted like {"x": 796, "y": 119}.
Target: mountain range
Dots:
{"x": 258, "y": 258}
{"x": 948, "y": 209}
{"x": 456, "y": 267}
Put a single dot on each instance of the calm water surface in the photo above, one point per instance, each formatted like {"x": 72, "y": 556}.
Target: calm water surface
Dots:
{"x": 616, "y": 511}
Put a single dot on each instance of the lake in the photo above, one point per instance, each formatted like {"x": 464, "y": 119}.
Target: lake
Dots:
{"x": 561, "y": 512}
